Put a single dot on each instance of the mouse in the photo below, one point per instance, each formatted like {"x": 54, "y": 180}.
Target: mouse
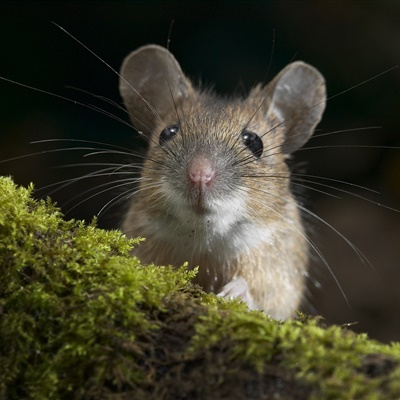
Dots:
{"x": 214, "y": 189}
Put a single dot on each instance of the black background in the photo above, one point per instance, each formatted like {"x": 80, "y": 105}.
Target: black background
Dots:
{"x": 231, "y": 45}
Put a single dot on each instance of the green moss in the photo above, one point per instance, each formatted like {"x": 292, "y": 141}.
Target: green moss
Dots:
{"x": 80, "y": 318}
{"x": 340, "y": 363}
{"x": 69, "y": 293}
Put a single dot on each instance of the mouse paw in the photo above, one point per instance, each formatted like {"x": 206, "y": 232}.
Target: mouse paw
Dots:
{"x": 238, "y": 288}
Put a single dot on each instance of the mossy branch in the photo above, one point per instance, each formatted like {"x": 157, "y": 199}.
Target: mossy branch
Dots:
{"x": 80, "y": 318}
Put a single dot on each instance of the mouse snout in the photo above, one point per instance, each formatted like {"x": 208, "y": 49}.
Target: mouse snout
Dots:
{"x": 200, "y": 171}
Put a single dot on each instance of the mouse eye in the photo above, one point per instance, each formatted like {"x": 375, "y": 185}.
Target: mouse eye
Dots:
{"x": 168, "y": 133}
{"x": 253, "y": 142}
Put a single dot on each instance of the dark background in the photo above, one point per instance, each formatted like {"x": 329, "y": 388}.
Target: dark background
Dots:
{"x": 229, "y": 44}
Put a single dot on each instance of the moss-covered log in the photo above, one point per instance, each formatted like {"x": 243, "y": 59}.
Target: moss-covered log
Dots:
{"x": 81, "y": 319}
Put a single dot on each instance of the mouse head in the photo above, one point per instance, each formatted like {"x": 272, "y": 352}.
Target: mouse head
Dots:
{"x": 154, "y": 87}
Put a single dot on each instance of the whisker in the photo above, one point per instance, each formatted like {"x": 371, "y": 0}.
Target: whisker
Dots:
{"x": 312, "y": 244}
{"x": 67, "y": 182}
{"x": 153, "y": 110}
{"x": 101, "y": 151}
{"x": 359, "y": 253}
{"x": 98, "y": 164}
{"x": 46, "y": 152}
{"x": 316, "y": 190}
{"x": 301, "y": 176}
{"x": 350, "y": 146}
{"x": 100, "y": 97}
{"x": 365, "y": 128}
{"x": 320, "y": 102}
{"x": 115, "y": 200}
{"x": 110, "y": 115}
{"x": 270, "y": 57}
{"x": 362, "y": 83}
{"x": 58, "y": 96}
{"x": 362, "y": 257}
{"x": 298, "y": 179}
{"x": 125, "y": 151}
{"x": 324, "y": 178}
{"x": 126, "y": 195}
{"x": 83, "y": 141}
{"x": 125, "y": 182}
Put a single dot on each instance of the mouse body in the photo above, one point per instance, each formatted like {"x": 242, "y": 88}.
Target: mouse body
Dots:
{"x": 214, "y": 187}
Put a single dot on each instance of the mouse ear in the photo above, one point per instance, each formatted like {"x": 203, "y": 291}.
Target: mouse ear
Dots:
{"x": 152, "y": 84}
{"x": 298, "y": 101}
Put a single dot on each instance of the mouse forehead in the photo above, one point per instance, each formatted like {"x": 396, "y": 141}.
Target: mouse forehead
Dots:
{"x": 218, "y": 118}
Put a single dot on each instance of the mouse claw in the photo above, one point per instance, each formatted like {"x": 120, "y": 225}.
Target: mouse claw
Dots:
{"x": 238, "y": 288}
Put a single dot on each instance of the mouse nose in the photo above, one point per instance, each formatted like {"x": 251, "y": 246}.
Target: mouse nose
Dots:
{"x": 200, "y": 171}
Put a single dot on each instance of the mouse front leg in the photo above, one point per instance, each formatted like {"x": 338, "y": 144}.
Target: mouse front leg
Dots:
{"x": 238, "y": 288}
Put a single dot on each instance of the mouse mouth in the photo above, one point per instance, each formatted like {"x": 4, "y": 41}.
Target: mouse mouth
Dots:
{"x": 198, "y": 204}
{"x": 200, "y": 209}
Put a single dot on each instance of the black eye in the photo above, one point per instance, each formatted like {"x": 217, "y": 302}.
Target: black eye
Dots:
{"x": 253, "y": 142}
{"x": 168, "y": 133}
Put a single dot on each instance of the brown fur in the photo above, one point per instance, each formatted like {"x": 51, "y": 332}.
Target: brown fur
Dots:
{"x": 251, "y": 227}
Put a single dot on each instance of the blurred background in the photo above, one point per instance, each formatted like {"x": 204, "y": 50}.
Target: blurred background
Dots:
{"x": 231, "y": 45}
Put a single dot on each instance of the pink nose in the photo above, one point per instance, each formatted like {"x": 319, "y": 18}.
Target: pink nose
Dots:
{"x": 200, "y": 170}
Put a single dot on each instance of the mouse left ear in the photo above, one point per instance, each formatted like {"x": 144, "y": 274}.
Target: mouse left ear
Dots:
{"x": 298, "y": 98}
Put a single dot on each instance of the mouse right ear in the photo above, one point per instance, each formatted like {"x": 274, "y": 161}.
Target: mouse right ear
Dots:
{"x": 152, "y": 84}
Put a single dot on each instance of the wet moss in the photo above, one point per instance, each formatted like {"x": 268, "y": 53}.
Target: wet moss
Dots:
{"x": 80, "y": 318}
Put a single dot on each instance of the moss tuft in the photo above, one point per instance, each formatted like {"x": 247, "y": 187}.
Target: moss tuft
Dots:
{"x": 80, "y": 318}
{"x": 71, "y": 299}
